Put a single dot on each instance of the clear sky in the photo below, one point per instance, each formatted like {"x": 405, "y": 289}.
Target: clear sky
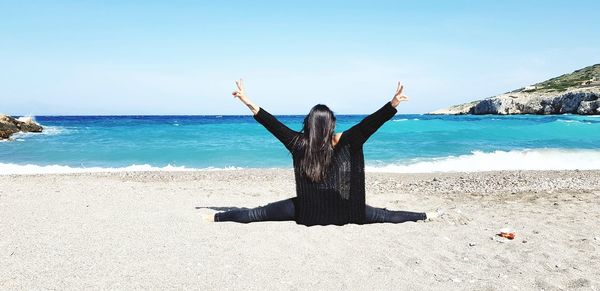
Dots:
{"x": 181, "y": 57}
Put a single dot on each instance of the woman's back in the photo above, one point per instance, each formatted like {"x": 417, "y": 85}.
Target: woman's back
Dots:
{"x": 339, "y": 198}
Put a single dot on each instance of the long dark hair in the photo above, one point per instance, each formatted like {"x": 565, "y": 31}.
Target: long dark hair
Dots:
{"x": 314, "y": 142}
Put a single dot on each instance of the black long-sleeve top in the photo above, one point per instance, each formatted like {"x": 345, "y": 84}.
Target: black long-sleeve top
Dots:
{"x": 340, "y": 197}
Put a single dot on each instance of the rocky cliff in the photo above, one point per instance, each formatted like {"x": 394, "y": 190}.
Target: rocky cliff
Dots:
{"x": 10, "y": 125}
{"x": 576, "y": 93}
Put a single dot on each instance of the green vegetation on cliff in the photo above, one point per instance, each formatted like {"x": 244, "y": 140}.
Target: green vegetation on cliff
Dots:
{"x": 577, "y": 79}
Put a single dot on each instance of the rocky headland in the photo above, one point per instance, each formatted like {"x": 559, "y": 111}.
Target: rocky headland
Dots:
{"x": 575, "y": 93}
{"x": 10, "y": 125}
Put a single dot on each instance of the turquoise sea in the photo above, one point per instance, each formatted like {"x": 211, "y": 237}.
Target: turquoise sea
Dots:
{"x": 407, "y": 143}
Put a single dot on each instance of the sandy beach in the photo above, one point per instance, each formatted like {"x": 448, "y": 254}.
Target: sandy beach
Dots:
{"x": 147, "y": 230}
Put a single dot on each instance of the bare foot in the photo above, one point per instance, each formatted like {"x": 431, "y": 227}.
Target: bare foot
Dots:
{"x": 207, "y": 215}
{"x": 434, "y": 215}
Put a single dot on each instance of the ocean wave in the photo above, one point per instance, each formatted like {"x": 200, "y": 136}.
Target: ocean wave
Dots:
{"x": 405, "y": 119}
{"x": 573, "y": 121}
{"x": 26, "y": 118}
{"x": 478, "y": 161}
{"x": 48, "y": 130}
{"x": 15, "y": 169}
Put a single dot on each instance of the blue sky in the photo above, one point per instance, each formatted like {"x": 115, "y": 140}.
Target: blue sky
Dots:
{"x": 181, "y": 57}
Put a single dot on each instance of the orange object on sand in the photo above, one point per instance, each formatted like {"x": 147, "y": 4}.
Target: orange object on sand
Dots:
{"x": 508, "y": 235}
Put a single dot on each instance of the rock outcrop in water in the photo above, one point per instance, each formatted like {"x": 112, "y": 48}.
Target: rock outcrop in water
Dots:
{"x": 10, "y": 125}
{"x": 575, "y": 93}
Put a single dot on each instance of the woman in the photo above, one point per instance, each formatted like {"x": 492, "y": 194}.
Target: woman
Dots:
{"x": 328, "y": 169}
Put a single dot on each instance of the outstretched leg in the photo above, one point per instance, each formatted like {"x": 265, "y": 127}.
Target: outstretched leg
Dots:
{"x": 276, "y": 211}
{"x": 379, "y": 215}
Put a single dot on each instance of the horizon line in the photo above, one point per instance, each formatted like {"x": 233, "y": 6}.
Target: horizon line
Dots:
{"x": 228, "y": 115}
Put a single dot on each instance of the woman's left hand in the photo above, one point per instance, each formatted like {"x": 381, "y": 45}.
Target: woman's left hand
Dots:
{"x": 398, "y": 97}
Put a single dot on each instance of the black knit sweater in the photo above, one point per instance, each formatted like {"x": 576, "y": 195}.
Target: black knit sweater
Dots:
{"x": 340, "y": 198}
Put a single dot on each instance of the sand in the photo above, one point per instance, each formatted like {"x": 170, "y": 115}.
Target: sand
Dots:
{"x": 146, "y": 231}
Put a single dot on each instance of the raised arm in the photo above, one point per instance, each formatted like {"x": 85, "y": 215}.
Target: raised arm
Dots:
{"x": 272, "y": 124}
{"x": 370, "y": 124}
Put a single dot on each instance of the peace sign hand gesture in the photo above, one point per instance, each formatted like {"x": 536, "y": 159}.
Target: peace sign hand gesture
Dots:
{"x": 398, "y": 97}
{"x": 239, "y": 92}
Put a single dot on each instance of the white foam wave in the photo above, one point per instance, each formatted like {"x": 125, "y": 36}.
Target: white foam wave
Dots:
{"x": 12, "y": 169}
{"x": 48, "y": 130}
{"x": 55, "y": 130}
{"x": 573, "y": 121}
{"x": 27, "y": 118}
{"x": 477, "y": 161}
{"x": 405, "y": 119}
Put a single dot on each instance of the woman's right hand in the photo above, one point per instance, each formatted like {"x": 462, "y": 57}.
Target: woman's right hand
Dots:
{"x": 240, "y": 92}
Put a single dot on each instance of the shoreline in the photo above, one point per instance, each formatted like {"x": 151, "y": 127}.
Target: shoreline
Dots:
{"x": 532, "y": 159}
{"x": 516, "y": 177}
{"x": 147, "y": 230}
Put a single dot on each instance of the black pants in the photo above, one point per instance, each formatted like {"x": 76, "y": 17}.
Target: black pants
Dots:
{"x": 284, "y": 210}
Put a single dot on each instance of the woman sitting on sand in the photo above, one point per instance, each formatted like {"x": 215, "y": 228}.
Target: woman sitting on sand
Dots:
{"x": 328, "y": 169}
